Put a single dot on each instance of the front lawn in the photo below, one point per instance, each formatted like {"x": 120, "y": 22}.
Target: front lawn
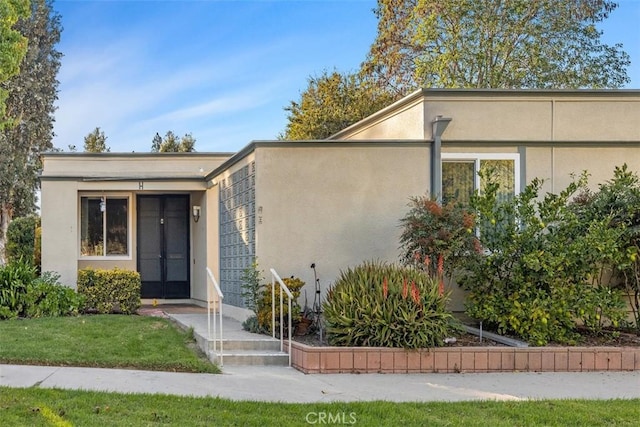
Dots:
{"x": 45, "y": 407}
{"x": 106, "y": 341}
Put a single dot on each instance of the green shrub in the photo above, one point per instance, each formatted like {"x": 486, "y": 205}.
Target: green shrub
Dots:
{"x": 37, "y": 250}
{"x": 21, "y": 239}
{"x": 437, "y": 237}
{"x": 543, "y": 268}
{"x": 619, "y": 199}
{"x": 265, "y": 310}
{"x": 251, "y": 287}
{"x": 46, "y": 297}
{"x": 15, "y": 278}
{"x": 382, "y": 305}
{"x": 109, "y": 290}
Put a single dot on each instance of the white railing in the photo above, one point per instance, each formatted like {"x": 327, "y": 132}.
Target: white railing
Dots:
{"x": 283, "y": 289}
{"x": 213, "y": 290}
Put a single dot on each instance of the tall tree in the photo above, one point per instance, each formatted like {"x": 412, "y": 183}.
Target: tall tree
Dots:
{"x": 30, "y": 108}
{"x": 494, "y": 44}
{"x": 13, "y": 45}
{"x": 172, "y": 144}
{"x": 96, "y": 142}
{"x": 332, "y": 102}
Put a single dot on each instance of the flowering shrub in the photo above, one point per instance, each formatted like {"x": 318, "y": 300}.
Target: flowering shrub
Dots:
{"x": 435, "y": 238}
{"x": 381, "y": 305}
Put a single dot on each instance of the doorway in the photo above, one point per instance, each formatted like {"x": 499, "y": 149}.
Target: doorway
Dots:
{"x": 163, "y": 246}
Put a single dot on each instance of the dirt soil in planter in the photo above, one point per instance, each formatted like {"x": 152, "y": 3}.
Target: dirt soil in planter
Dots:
{"x": 607, "y": 339}
{"x": 462, "y": 340}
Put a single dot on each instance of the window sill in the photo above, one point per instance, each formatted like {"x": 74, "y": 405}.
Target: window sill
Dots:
{"x": 106, "y": 258}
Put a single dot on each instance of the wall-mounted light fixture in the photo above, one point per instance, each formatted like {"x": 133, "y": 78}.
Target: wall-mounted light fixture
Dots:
{"x": 103, "y": 204}
{"x": 196, "y": 213}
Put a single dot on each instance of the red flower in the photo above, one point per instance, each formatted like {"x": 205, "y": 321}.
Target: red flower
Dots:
{"x": 440, "y": 265}
{"x": 477, "y": 246}
{"x": 441, "y": 288}
{"x": 467, "y": 220}
{"x": 385, "y": 288}
{"x": 415, "y": 292}
{"x": 405, "y": 289}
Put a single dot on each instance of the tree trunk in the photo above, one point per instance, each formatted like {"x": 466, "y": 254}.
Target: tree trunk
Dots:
{"x": 6, "y": 214}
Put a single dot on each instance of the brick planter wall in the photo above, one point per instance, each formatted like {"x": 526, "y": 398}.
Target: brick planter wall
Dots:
{"x": 331, "y": 360}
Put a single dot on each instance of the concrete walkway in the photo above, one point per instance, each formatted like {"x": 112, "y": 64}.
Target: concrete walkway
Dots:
{"x": 288, "y": 385}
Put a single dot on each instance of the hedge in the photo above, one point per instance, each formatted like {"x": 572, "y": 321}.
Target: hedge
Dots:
{"x": 108, "y": 291}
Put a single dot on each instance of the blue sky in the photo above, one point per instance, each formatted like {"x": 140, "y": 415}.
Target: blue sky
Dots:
{"x": 221, "y": 70}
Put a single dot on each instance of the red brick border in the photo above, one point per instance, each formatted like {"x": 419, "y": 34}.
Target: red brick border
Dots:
{"x": 329, "y": 360}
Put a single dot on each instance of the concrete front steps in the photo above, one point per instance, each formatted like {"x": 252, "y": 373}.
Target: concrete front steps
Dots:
{"x": 245, "y": 352}
{"x": 239, "y": 346}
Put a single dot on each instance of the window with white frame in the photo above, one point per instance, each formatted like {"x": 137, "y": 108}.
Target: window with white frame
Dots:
{"x": 460, "y": 177}
{"x": 104, "y": 226}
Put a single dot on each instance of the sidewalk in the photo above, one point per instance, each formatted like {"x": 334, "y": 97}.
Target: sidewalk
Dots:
{"x": 288, "y": 385}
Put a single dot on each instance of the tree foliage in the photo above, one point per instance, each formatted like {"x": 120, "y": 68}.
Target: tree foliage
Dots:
{"x": 494, "y": 44}
{"x": 30, "y": 106}
{"x": 96, "y": 142}
{"x": 332, "y": 102}
{"x": 172, "y": 144}
{"x": 13, "y": 44}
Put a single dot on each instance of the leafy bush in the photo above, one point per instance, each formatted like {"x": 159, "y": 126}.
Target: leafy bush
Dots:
{"x": 381, "y": 305}
{"x": 108, "y": 290}
{"x": 251, "y": 324}
{"x": 436, "y": 234}
{"x": 21, "y": 239}
{"x": 543, "y": 267}
{"x": 24, "y": 294}
{"x": 15, "y": 278}
{"x": 251, "y": 287}
{"x": 619, "y": 199}
{"x": 46, "y": 297}
{"x": 265, "y": 310}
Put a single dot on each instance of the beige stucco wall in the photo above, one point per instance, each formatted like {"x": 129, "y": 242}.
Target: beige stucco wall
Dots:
{"x": 67, "y": 177}
{"x": 170, "y": 165}
{"x": 199, "y": 245}
{"x": 499, "y": 115}
{"x": 58, "y": 207}
{"x": 334, "y": 205}
{"x": 405, "y": 122}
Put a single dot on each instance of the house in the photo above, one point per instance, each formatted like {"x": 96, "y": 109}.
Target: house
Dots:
{"x": 334, "y": 202}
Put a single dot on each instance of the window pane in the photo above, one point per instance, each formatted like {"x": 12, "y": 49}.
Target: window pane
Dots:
{"x": 91, "y": 230}
{"x": 503, "y": 171}
{"x": 457, "y": 181}
{"x": 117, "y": 227}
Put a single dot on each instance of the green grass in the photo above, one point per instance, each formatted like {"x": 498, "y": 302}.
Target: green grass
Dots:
{"x": 108, "y": 341}
{"x": 45, "y": 407}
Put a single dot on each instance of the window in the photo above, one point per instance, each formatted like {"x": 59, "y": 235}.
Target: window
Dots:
{"x": 104, "y": 229}
{"x": 460, "y": 177}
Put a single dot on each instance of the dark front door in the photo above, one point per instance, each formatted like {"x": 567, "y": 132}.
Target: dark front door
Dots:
{"x": 163, "y": 246}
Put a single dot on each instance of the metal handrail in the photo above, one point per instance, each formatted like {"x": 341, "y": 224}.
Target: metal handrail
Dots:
{"x": 283, "y": 287}
{"x": 212, "y": 286}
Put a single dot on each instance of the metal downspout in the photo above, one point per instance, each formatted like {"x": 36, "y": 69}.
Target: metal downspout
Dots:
{"x": 439, "y": 124}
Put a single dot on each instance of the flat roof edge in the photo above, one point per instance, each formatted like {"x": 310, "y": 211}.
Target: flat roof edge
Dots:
{"x": 135, "y": 154}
